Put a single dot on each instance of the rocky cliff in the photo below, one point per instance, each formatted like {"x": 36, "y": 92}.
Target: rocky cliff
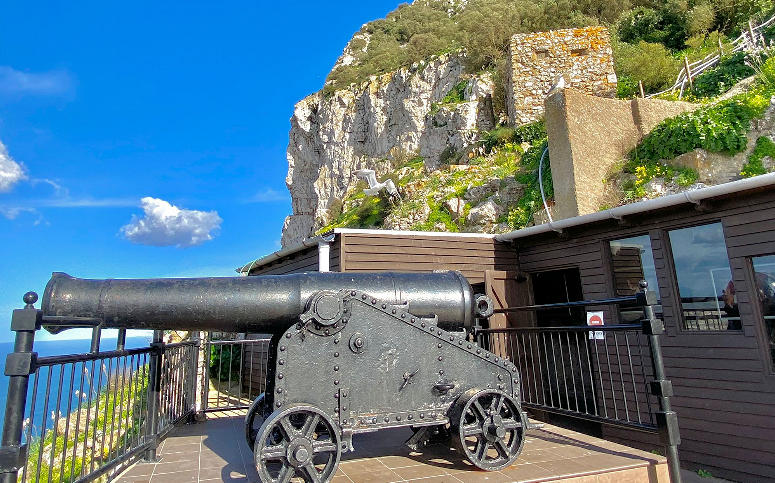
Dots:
{"x": 379, "y": 125}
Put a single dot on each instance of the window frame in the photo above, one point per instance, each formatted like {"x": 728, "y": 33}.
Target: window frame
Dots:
{"x": 609, "y": 261}
{"x": 675, "y": 293}
{"x": 758, "y": 316}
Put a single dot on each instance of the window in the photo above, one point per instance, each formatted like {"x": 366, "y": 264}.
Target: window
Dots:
{"x": 705, "y": 285}
{"x": 764, "y": 273}
{"x": 632, "y": 261}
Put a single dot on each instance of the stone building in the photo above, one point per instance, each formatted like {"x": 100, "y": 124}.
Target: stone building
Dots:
{"x": 582, "y": 56}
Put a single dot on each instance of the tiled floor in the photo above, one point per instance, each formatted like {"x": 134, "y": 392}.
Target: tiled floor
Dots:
{"x": 217, "y": 451}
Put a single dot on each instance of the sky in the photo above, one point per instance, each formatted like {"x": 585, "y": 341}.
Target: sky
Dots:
{"x": 148, "y": 139}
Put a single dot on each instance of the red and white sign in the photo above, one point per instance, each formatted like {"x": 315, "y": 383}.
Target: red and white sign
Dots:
{"x": 595, "y": 318}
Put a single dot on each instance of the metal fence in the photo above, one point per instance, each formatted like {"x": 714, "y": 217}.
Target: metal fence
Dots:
{"x": 79, "y": 417}
{"x": 236, "y": 373}
{"x": 611, "y": 374}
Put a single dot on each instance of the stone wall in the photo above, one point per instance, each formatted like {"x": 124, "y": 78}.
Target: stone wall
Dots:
{"x": 588, "y": 135}
{"x": 582, "y": 56}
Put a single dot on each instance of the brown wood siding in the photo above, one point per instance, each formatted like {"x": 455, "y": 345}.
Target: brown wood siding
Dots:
{"x": 415, "y": 253}
{"x": 305, "y": 260}
{"x": 724, "y": 386}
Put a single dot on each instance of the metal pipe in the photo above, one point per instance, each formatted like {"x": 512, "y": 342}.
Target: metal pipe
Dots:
{"x": 261, "y": 304}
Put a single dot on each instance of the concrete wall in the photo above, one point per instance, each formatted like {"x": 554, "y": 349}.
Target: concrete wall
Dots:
{"x": 536, "y": 60}
{"x": 587, "y": 135}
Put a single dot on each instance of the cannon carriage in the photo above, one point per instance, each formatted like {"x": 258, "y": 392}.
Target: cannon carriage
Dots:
{"x": 350, "y": 353}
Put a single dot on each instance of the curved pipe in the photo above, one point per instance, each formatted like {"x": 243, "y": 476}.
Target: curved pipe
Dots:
{"x": 265, "y": 304}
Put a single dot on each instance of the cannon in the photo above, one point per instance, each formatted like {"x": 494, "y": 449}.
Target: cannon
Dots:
{"x": 350, "y": 353}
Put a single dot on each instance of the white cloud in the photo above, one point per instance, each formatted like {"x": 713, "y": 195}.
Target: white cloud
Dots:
{"x": 166, "y": 225}
{"x": 16, "y": 82}
{"x": 11, "y": 172}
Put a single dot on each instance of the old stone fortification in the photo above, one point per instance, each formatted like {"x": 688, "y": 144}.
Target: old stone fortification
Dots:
{"x": 376, "y": 125}
{"x": 582, "y": 56}
{"x": 588, "y": 135}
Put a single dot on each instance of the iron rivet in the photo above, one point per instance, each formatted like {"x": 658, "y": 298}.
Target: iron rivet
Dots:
{"x": 515, "y": 381}
{"x": 280, "y": 375}
{"x": 344, "y": 408}
{"x": 439, "y": 332}
{"x": 398, "y": 418}
{"x": 344, "y": 393}
{"x": 439, "y": 346}
{"x": 327, "y": 332}
{"x": 336, "y": 368}
{"x": 469, "y": 346}
{"x": 288, "y": 336}
{"x": 393, "y": 311}
{"x": 352, "y": 293}
{"x": 413, "y": 321}
{"x": 422, "y": 415}
{"x": 487, "y": 356}
{"x": 282, "y": 347}
{"x": 336, "y": 382}
{"x": 384, "y": 306}
{"x": 441, "y": 373}
{"x": 460, "y": 342}
{"x": 441, "y": 358}
{"x": 336, "y": 354}
{"x": 336, "y": 395}
{"x": 451, "y": 338}
{"x": 344, "y": 311}
{"x": 500, "y": 377}
{"x": 278, "y": 404}
{"x": 281, "y": 361}
{"x": 500, "y": 386}
{"x": 403, "y": 316}
{"x": 373, "y": 301}
{"x": 279, "y": 390}
{"x": 478, "y": 351}
{"x": 496, "y": 359}
{"x": 387, "y": 420}
{"x": 410, "y": 417}
{"x": 421, "y": 325}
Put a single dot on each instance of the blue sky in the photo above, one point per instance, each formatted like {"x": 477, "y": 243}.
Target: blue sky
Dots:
{"x": 183, "y": 105}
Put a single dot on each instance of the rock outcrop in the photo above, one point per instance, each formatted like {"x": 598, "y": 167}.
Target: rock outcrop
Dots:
{"x": 377, "y": 125}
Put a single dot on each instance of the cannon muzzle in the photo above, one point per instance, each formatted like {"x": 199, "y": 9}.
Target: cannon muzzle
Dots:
{"x": 260, "y": 304}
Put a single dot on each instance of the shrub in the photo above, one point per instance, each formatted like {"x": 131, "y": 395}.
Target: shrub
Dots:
{"x": 719, "y": 128}
{"x": 755, "y": 165}
{"x": 626, "y": 87}
{"x": 225, "y": 361}
{"x": 650, "y": 63}
{"x": 730, "y": 70}
{"x": 501, "y": 136}
{"x": 531, "y": 202}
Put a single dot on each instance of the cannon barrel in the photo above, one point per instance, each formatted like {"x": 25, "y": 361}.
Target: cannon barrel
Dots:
{"x": 263, "y": 304}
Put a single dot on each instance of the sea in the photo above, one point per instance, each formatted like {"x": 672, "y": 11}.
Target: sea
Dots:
{"x": 59, "y": 347}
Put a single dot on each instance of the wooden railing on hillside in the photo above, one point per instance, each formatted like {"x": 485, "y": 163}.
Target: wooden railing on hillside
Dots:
{"x": 751, "y": 40}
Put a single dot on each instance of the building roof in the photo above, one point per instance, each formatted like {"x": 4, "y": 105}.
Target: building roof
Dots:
{"x": 331, "y": 235}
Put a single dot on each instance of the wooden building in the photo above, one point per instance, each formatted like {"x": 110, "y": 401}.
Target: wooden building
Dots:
{"x": 710, "y": 255}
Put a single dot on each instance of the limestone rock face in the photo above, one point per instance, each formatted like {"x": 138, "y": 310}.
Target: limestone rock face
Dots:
{"x": 376, "y": 125}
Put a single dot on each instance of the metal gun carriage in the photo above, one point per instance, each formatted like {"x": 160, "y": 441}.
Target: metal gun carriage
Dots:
{"x": 350, "y": 353}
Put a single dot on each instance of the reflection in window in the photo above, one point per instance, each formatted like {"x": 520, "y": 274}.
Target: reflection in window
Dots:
{"x": 764, "y": 271}
{"x": 708, "y": 298}
{"x": 632, "y": 262}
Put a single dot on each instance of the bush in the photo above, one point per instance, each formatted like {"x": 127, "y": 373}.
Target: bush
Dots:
{"x": 718, "y": 128}
{"x": 626, "y": 87}
{"x": 666, "y": 25}
{"x": 722, "y": 77}
{"x": 531, "y": 202}
{"x": 650, "y": 63}
{"x": 755, "y": 165}
{"x": 225, "y": 361}
{"x": 502, "y": 136}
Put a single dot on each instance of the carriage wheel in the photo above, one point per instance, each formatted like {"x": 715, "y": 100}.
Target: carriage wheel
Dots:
{"x": 254, "y": 419}
{"x": 490, "y": 428}
{"x": 298, "y": 440}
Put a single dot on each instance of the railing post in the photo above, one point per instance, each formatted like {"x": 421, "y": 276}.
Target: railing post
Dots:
{"x": 666, "y": 418}
{"x": 18, "y": 366}
{"x": 154, "y": 388}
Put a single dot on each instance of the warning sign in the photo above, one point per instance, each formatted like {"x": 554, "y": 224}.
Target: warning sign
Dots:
{"x": 595, "y": 318}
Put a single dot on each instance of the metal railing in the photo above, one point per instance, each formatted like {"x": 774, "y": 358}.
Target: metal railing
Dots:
{"x": 79, "y": 417}
{"x": 236, "y": 373}
{"x": 611, "y": 374}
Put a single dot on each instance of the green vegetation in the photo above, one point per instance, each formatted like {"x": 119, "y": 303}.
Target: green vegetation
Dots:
{"x": 225, "y": 361}
{"x": 661, "y": 32}
{"x": 530, "y": 203}
{"x": 106, "y": 410}
{"x": 702, "y": 473}
{"x": 713, "y": 82}
{"x": 456, "y": 95}
{"x": 755, "y": 165}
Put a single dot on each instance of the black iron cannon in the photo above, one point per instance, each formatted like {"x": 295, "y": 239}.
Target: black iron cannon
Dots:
{"x": 350, "y": 353}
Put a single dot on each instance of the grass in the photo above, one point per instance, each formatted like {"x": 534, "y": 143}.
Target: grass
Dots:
{"x": 755, "y": 164}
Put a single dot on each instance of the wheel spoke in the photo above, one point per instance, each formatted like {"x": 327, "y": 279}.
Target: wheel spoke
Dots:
{"x": 482, "y": 414}
{"x": 323, "y": 447}
{"x": 310, "y": 425}
{"x": 502, "y": 450}
{"x": 499, "y": 405}
{"x": 288, "y": 428}
{"x": 472, "y": 429}
{"x": 312, "y": 472}
{"x": 273, "y": 452}
{"x": 286, "y": 473}
{"x": 481, "y": 449}
{"x": 511, "y": 424}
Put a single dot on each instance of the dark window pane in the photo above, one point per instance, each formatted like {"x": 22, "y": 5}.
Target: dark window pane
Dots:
{"x": 708, "y": 298}
{"x": 633, "y": 261}
{"x": 555, "y": 287}
{"x": 764, "y": 269}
